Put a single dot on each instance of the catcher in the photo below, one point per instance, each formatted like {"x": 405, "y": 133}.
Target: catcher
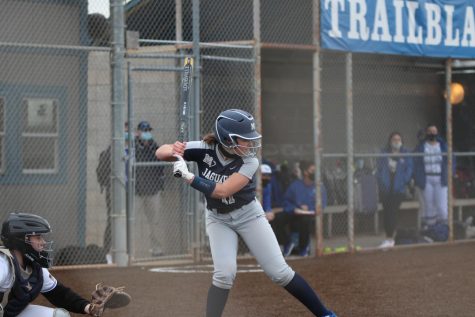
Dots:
{"x": 24, "y": 262}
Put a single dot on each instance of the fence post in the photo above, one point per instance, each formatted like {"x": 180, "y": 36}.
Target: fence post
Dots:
{"x": 119, "y": 224}
{"x": 350, "y": 151}
{"x": 196, "y": 123}
{"x": 317, "y": 136}
{"x": 448, "y": 107}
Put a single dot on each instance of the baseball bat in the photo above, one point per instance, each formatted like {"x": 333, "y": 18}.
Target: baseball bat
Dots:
{"x": 184, "y": 100}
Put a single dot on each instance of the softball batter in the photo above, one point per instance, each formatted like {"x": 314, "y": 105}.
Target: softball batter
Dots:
{"x": 227, "y": 165}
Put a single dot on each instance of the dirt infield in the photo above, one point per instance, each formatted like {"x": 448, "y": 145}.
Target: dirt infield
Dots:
{"x": 426, "y": 281}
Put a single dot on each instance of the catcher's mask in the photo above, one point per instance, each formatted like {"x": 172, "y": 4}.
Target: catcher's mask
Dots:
{"x": 234, "y": 124}
{"x": 28, "y": 233}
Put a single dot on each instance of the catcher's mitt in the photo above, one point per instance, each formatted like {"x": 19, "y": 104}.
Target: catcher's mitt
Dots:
{"x": 106, "y": 296}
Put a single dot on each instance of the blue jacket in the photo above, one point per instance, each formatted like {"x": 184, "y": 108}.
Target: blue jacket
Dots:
{"x": 402, "y": 176}
{"x": 267, "y": 197}
{"x": 419, "y": 167}
{"x": 299, "y": 194}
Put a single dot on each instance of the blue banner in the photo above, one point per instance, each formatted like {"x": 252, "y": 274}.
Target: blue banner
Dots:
{"x": 436, "y": 28}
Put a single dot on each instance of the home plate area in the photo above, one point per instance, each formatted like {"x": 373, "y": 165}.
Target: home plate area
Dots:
{"x": 205, "y": 268}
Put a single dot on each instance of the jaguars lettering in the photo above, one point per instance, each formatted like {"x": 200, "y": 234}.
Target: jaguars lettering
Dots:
{"x": 212, "y": 176}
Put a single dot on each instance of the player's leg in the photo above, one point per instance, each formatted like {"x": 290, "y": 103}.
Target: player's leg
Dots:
{"x": 224, "y": 245}
{"x": 441, "y": 193}
{"x": 305, "y": 225}
{"x": 42, "y": 311}
{"x": 149, "y": 205}
{"x": 261, "y": 241}
{"x": 430, "y": 212}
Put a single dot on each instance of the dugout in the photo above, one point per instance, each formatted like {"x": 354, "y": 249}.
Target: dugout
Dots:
{"x": 392, "y": 84}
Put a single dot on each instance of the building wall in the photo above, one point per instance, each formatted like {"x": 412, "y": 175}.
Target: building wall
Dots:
{"x": 44, "y": 72}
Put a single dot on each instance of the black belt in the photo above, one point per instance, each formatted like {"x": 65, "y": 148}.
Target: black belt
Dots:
{"x": 230, "y": 209}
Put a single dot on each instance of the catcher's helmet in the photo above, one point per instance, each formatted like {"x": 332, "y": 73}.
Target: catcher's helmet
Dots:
{"x": 234, "y": 123}
{"x": 15, "y": 236}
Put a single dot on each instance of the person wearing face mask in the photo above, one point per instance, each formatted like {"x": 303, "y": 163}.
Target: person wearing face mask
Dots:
{"x": 299, "y": 205}
{"x": 394, "y": 173}
{"x": 430, "y": 175}
{"x": 148, "y": 182}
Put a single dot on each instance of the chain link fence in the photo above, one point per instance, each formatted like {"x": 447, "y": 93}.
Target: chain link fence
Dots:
{"x": 56, "y": 119}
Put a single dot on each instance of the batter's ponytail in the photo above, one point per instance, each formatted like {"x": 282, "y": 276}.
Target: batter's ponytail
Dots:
{"x": 210, "y": 139}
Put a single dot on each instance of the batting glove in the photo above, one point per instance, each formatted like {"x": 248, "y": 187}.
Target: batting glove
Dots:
{"x": 180, "y": 168}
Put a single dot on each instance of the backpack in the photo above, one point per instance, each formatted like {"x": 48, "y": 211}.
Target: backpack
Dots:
{"x": 410, "y": 236}
{"x": 103, "y": 169}
{"x": 437, "y": 232}
{"x": 366, "y": 193}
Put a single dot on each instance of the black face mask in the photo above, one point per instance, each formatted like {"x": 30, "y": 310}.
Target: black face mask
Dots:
{"x": 265, "y": 182}
{"x": 311, "y": 176}
{"x": 431, "y": 137}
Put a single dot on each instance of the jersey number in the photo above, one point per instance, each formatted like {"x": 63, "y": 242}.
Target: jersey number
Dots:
{"x": 228, "y": 200}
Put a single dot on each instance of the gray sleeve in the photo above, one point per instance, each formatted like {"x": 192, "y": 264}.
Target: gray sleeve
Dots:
{"x": 191, "y": 145}
{"x": 249, "y": 167}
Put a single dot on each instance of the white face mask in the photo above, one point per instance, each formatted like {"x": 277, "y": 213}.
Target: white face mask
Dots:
{"x": 396, "y": 145}
{"x": 146, "y": 136}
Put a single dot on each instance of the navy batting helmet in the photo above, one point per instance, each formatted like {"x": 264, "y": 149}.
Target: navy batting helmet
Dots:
{"x": 234, "y": 123}
{"x": 16, "y": 231}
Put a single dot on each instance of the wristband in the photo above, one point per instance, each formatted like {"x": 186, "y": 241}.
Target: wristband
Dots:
{"x": 203, "y": 185}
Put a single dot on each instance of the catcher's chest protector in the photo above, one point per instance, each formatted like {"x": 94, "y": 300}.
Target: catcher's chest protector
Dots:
{"x": 26, "y": 286}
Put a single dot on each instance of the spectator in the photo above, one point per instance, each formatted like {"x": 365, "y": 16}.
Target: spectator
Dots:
{"x": 103, "y": 173}
{"x": 266, "y": 175}
{"x": 299, "y": 205}
{"x": 283, "y": 178}
{"x": 148, "y": 182}
{"x": 430, "y": 175}
{"x": 275, "y": 188}
{"x": 273, "y": 214}
{"x": 394, "y": 173}
{"x": 421, "y": 137}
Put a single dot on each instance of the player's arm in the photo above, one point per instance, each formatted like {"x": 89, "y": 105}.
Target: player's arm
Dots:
{"x": 167, "y": 152}
{"x": 63, "y": 297}
{"x": 230, "y": 186}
